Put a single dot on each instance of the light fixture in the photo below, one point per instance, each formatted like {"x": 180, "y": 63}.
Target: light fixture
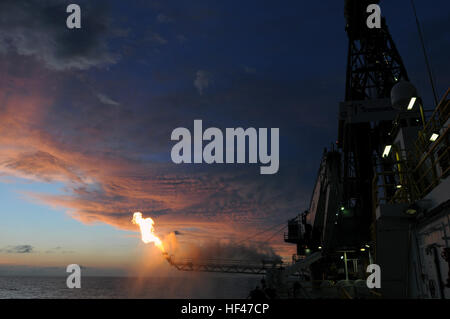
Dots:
{"x": 412, "y": 209}
{"x": 342, "y": 208}
{"x": 434, "y": 137}
{"x": 387, "y": 150}
{"x": 367, "y": 246}
{"x": 363, "y": 249}
{"x": 320, "y": 247}
{"x": 399, "y": 186}
{"x": 342, "y": 257}
{"x": 411, "y": 103}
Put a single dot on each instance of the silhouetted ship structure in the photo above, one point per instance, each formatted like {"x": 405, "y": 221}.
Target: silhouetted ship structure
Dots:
{"x": 381, "y": 197}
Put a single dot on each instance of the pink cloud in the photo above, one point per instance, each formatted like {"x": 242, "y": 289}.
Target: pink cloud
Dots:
{"x": 106, "y": 186}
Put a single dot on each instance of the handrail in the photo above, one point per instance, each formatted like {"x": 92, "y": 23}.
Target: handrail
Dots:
{"x": 421, "y": 169}
{"x": 441, "y": 102}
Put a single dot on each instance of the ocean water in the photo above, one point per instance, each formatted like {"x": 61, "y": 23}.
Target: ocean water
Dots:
{"x": 219, "y": 287}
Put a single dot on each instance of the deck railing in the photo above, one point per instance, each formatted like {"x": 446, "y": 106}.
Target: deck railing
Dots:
{"x": 412, "y": 174}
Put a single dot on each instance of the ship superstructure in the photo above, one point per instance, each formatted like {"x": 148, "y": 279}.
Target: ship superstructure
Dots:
{"x": 382, "y": 196}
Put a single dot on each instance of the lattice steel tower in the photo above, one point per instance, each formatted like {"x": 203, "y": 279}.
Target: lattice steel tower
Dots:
{"x": 373, "y": 67}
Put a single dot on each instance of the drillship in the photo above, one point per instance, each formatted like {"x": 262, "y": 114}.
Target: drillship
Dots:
{"x": 382, "y": 196}
{"x": 378, "y": 221}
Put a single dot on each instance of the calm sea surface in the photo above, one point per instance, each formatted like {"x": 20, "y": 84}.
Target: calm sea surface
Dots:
{"x": 119, "y": 287}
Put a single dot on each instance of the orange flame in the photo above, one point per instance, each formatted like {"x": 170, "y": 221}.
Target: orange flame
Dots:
{"x": 147, "y": 230}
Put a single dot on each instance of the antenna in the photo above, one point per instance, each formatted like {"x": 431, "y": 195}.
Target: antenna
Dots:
{"x": 425, "y": 53}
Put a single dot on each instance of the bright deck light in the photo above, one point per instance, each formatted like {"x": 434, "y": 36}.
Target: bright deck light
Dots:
{"x": 387, "y": 150}
{"x": 411, "y": 103}
{"x": 434, "y": 137}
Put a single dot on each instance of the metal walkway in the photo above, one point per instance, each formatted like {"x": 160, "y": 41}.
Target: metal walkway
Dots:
{"x": 226, "y": 266}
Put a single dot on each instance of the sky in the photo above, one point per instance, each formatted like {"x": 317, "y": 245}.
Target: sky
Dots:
{"x": 86, "y": 117}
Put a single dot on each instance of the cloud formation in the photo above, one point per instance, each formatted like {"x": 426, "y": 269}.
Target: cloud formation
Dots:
{"x": 113, "y": 158}
{"x": 20, "y": 249}
{"x": 38, "y": 29}
{"x": 107, "y": 100}
{"x": 58, "y": 250}
{"x": 202, "y": 81}
{"x": 102, "y": 156}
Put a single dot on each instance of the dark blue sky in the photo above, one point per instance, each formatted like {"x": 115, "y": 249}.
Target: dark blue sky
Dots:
{"x": 268, "y": 64}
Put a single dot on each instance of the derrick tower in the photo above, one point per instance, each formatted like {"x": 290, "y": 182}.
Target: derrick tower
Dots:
{"x": 374, "y": 66}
